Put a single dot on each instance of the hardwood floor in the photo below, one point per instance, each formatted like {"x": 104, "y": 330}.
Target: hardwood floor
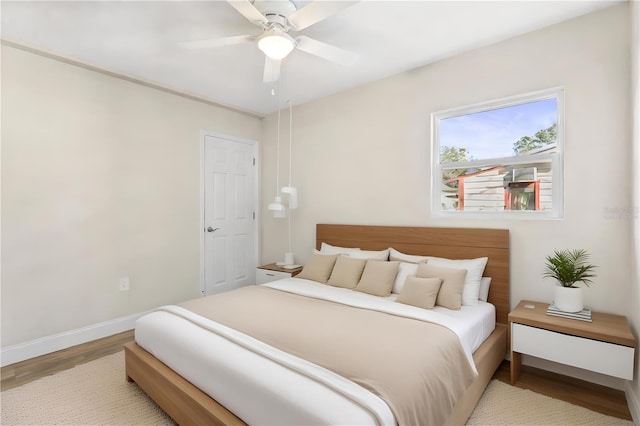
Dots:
{"x": 598, "y": 398}
{"x": 602, "y": 399}
{"x": 26, "y": 371}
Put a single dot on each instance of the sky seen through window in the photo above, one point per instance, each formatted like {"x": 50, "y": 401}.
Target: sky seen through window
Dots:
{"x": 492, "y": 133}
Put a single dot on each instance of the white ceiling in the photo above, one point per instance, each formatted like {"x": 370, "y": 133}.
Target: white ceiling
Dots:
{"x": 141, "y": 40}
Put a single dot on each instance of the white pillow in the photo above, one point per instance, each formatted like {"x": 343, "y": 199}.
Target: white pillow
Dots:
{"x": 405, "y": 270}
{"x": 329, "y": 249}
{"x": 475, "y": 269}
{"x": 370, "y": 254}
{"x": 411, "y": 258}
{"x": 485, "y": 283}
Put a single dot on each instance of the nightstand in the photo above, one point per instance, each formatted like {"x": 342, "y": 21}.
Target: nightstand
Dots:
{"x": 272, "y": 272}
{"x": 605, "y": 345}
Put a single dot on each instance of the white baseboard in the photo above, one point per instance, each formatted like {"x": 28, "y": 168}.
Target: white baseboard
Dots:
{"x": 45, "y": 345}
{"x": 633, "y": 401}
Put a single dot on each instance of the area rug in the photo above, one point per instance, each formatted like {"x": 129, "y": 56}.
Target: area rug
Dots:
{"x": 97, "y": 393}
{"x": 503, "y": 404}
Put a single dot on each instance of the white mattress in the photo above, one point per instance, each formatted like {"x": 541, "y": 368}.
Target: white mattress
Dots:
{"x": 272, "y": 387}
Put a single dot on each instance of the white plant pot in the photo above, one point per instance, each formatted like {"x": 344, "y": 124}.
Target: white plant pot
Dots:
{"x": 288, "y": 258}
{"x": 569, "y": 299}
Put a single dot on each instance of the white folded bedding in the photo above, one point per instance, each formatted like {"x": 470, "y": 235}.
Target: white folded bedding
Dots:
{"x": 261, "y": 391}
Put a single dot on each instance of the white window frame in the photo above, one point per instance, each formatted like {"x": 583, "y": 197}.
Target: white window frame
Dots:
{"x": 556, "y": 159}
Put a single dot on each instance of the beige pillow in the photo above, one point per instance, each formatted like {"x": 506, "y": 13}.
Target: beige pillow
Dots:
{"x": 450, "y": 294}
{"x": 347, "y": 272}
{"x": 378, "y": 277}
{"x": 420, "y": 292}
{"x": 318, "y": 267}
{"x": 475, "y": 269}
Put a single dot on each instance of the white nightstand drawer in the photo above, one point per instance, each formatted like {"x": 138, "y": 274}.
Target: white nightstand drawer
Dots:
{"x": 606, "y": 358}
{"x": 266, "y": 275}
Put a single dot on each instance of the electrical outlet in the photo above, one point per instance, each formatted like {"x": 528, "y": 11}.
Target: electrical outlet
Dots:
{"x": 124, "y": 284}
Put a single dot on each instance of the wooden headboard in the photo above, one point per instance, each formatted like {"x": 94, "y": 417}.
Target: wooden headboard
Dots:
{"x": 452, "y": 243}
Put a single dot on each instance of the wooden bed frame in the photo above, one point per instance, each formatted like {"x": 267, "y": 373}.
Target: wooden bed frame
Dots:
{"x": 188, "y": 405}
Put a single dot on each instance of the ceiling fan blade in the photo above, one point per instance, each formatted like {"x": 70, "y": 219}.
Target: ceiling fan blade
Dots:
{"x": 271, "y": 70}
{"x": 316, "y": 11}
{"x": 217, "y": 42}
{"x": 326, "y": 51}
{"x": 248, "y": 10}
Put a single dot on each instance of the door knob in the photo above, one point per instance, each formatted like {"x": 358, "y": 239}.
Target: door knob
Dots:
{"x": 210, "y": 229}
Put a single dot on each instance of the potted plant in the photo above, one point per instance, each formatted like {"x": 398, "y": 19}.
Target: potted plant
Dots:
{"x": 569, "y": 267}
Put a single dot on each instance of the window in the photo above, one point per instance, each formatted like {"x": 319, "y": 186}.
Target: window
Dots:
{"x": 502, "y": 157}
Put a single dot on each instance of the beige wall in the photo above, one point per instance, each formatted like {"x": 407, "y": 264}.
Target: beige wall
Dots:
{"x": 634, "y": 390}
{"x": 100, "y": 180}
{"x": 362, "y": 156}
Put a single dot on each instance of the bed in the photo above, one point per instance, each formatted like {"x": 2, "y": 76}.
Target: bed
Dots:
{"x": 188, "y": 404}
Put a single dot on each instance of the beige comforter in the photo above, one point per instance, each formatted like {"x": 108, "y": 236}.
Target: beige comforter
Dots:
{"x": 418, "y": 368}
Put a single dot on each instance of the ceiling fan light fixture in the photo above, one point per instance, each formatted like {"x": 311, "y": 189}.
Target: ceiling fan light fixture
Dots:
{"x": 276, "y": 44}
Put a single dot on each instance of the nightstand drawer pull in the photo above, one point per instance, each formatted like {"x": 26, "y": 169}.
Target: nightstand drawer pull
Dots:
{"x": 267, "y": 275}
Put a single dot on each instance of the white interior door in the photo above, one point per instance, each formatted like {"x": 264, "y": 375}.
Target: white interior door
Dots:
{"x": 229, "y": 214}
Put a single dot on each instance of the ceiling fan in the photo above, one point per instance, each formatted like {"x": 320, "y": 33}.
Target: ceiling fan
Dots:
{"x": 276, "y": 18}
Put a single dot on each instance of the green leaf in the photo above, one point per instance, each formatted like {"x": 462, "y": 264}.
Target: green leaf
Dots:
{"x": 569, "y": 267}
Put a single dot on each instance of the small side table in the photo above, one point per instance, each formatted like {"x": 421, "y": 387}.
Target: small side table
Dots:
{"x": 272, "y": 272}
{"x": 605, "y": 345}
